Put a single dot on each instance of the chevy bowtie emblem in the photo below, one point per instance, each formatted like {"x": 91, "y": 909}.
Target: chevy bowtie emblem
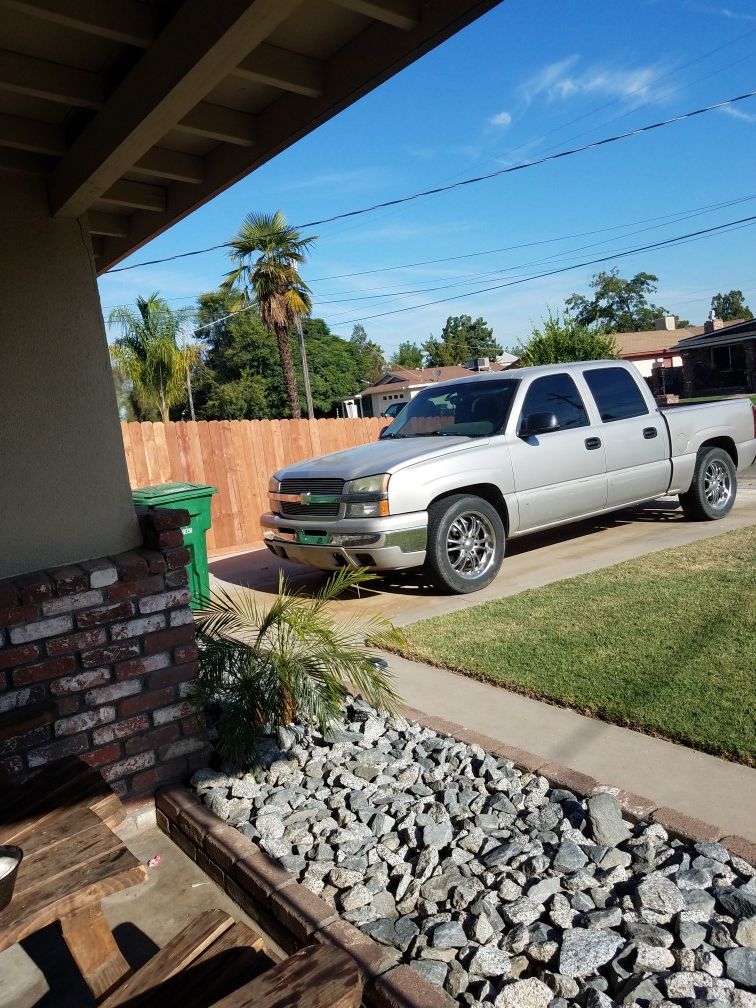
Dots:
{"x": 311, "y": 498}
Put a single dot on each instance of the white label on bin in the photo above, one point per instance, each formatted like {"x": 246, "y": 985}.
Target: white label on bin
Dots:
{"x": 186, "y": 530}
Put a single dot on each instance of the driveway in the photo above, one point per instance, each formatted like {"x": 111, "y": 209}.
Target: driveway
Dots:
{"x": 531, "y": 561}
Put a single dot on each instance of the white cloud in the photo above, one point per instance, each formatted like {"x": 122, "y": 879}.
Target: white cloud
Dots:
{"x": 562, "y": 80}
{"x": 501, "y": 119}
{"x": 735, "y": 113}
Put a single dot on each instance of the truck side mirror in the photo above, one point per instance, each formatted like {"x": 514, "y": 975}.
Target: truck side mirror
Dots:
{"x": 384, "y": 432}
{"x": 538, "y": 423}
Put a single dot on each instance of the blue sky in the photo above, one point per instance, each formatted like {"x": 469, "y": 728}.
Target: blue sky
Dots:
{"x": 523, "y": 81}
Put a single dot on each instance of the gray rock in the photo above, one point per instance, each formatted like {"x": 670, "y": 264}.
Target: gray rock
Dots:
{"x": 432, "y": 970}
{"x": 740, "y": 966}
{"x": 530, "y": 993}
{"x": 583, "y": 951}
{"x": 563, "y": 986}
{"x": 597, "y": 999}
{"x": 745, "y": 933}
{"x": 522, "y": 911}
{"x": 605, "y": 818}
{"x": 437, "y": 888}
{"x": 356, "y": 897}
{"x": 398, "y": 933}
{"x": 652, "y": 959}
{"x": 490, "y": 961}
{"x": 740, "y": 903}
{"x": 597, "y": 920}
{"x": 541, "y": 891}
{"x": 691, "y": 935}
{"x": 269, "y": 826}
{"x": 570, "y": 857}
{"x": 205, "y": 779}
{"x": 659, "y": 893}
{"x": 344, "y": 878}
{"x": 448, "y": 935}
{"x": 692, "y": 984}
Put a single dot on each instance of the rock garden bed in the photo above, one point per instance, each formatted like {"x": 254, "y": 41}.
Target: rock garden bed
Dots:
{"x": 488, "y": 881}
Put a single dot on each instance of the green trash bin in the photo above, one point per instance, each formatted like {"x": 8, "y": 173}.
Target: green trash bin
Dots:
{"x": 196, "y": 499}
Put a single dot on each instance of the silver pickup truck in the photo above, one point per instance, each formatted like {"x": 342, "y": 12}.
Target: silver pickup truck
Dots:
{"x": 471, "y": 462}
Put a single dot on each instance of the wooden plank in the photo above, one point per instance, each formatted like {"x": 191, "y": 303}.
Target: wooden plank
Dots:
{"x": 68, "y": 782}
{"x": 316, "y": 977}
{"x": 222, "y": 515}
{"x": 78, "y": 888}
{"x": 141, "y": 473}
{"x": 90, "y": 941}
{"x": 128, "y": 451}
{"x": 175, "y": 956}
{"x": 236, "y": 958}
{"x": 231, "y": 463}
{"x": 161, "y": 452}
{"x": 73, "y": 837}
{"x": 150, "y": 454}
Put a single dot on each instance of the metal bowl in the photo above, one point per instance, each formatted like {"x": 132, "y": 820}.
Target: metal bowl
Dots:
{"x": 8, "y": 881}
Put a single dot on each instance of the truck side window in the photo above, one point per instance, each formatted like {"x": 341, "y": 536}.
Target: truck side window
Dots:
{"x": 557, "y": 394}
{"x": 616, "y": 393}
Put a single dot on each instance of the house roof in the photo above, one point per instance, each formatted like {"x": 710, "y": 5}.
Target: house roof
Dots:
{"x": 410, "y": 378}
{"x": 654, "y": 342}
{"x": 136, "y": 113}
{"x": 736, "y": 332}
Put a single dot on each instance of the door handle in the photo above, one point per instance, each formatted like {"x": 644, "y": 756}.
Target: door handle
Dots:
{"x": 649, "y": 432}
{"x": 592, "y": 443}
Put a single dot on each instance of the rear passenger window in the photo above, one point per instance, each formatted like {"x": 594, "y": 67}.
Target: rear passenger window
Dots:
{"x": 616, "y": 394}
{"x": 555, "y": 394}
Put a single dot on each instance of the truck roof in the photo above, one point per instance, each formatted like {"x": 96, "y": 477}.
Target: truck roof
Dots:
{"x": 514, "y": 374}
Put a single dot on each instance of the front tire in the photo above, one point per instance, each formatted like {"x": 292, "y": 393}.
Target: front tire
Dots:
{"x": 465, "y": 543}
{"x": 714, "y": 486}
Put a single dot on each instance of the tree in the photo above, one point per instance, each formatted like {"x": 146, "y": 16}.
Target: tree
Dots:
{"x": 461, "y": 340}
{"x": 369, "y": 355}
{"x": 334, "y": 364}
{"x": 268, "y": 252}
{"x": 240, "y": 377}
{"x": 148, "y": 356}
{"x": 563, "y": 340}
{"x": 409, "y": 355}
{"x": 618, "y": 305}
{"x": 731, "y": 306}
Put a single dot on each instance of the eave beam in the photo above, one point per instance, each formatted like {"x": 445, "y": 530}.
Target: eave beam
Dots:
{"x": 51, "y": 81}
{"x": 126, "y": 21}
{"x": 188, "y": 59}
{"x": 404, "y": 14}
{"x": 280, "y": 68}
{"x": 108, "y": 224}
{"x": 30, "y": 135}
{"x": 136, "y": 196}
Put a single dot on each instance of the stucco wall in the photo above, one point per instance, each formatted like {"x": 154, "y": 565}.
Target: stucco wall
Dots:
{"x": 64, "y": 492}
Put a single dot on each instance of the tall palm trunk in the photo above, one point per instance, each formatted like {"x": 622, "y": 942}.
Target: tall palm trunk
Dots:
{"x": 287, "y": 365}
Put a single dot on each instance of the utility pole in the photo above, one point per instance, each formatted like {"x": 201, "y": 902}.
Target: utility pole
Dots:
{"x": 305, "y": 369}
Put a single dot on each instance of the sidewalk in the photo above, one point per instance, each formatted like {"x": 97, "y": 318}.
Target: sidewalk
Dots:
{"x": 692, "y": 782}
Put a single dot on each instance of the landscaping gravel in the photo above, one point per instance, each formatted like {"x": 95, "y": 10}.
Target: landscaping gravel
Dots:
{"x": 489, "y": 882}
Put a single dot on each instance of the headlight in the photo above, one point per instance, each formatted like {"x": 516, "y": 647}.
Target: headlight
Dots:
{"x": 367, "y": 497}
{"x": 368, "y": 485}
{"x": 274, "y": 486}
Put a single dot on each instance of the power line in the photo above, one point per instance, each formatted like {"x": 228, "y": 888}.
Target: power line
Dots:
{"x": 562, "y": 269}
{"x": 462, "y": 183}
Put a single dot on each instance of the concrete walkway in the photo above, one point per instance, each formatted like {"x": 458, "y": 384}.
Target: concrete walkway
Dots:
{"x": 672, "y": 775}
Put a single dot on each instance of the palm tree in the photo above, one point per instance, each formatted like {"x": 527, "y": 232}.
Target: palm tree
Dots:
{"x": 265, "y": 666}
{"x": 267, "y": 252}
{"x": 148, "y": 354}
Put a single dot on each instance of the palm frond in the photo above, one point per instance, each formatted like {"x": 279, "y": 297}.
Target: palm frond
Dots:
{"x": 266, "y": 664}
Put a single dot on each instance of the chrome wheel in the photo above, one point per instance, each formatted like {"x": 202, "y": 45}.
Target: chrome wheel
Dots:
{"x": 470, "y": 544}
{"x": 717, "y": 484}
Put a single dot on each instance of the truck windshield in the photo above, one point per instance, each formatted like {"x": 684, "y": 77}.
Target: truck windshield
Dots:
{"x": 469, "y": 409}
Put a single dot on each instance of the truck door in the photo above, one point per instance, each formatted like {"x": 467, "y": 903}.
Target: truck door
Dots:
{"x": 637, "y": 447}
{"x": 559, "y": 473}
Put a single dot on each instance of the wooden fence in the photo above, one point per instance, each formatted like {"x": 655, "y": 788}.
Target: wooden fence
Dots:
{"x": 236, "y": 456}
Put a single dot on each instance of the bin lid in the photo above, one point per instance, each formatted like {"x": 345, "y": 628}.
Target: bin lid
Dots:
{"x": 164, "y": 492}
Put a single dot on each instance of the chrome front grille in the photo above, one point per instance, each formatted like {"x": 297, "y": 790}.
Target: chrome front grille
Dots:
{"x": 313, "y": 486}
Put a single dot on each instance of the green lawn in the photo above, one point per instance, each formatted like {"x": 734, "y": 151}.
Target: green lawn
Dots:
{"x": 665, "y": 643}
{"x": 702, "y": 399}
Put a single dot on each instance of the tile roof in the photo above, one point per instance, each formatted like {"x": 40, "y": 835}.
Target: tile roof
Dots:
{"x": 424, "y": 376}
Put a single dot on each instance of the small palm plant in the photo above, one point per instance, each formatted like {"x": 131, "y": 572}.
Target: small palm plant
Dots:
{"x": 265, "y": 666}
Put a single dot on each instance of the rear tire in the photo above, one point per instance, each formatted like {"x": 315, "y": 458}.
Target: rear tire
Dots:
{"x": 714, "y": 486}
{"x": 465, "y": 543}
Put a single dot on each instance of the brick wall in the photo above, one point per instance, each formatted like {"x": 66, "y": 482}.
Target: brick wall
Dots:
{"x": 111, "y": 642}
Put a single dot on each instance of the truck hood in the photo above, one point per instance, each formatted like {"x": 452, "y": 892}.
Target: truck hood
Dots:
{"x": 377, "y": 457}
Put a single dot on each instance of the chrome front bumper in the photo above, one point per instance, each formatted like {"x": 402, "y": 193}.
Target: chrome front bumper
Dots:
{"x": 393, "y": 543}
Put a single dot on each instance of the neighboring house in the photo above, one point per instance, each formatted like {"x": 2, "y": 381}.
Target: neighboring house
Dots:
{"x": 656, "y": 352}
{"x": 720, "y": 358}
{"x": 403, "y": 384}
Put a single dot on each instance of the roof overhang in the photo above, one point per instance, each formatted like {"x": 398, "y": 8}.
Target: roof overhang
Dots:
{"x": 139, "y": 111}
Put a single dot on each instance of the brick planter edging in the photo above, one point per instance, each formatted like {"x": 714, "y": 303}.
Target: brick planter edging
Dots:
{"x": 292, "y": 915}
{"x": 635, "y": 807}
